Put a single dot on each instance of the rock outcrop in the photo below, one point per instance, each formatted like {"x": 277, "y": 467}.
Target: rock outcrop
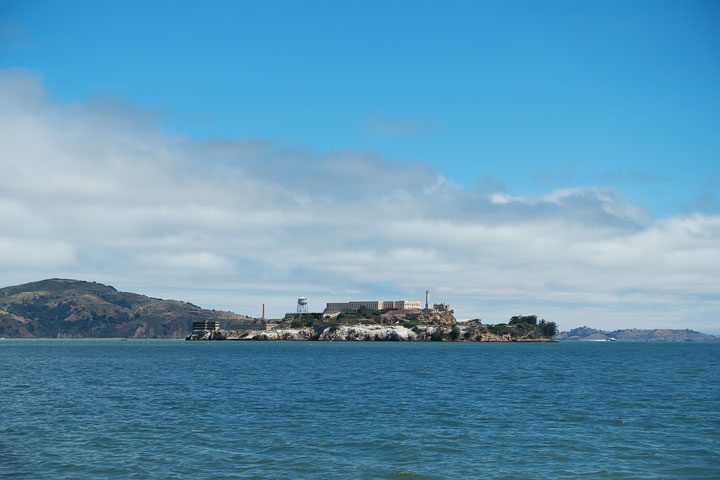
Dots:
{"x": 458, "y": 332}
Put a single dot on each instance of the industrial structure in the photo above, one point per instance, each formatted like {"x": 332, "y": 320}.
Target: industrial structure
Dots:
{"x": 341, "y": 307}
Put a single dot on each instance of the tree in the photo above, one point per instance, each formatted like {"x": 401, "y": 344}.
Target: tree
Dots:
{"x": 548, "y": 329}
{"x": 519, "y": 319}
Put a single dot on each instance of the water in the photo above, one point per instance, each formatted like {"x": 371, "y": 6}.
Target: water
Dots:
{"x": 172, "y": 409}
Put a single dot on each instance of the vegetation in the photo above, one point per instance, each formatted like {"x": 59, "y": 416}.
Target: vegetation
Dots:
{"x": 523, "y": 319}
{"x": 454, "y": 333}
{"x": 524, "y": 327}
{"x": 548, "y": 329}
{"x": 436, "y": 336}
{"x": 499, "y": 329}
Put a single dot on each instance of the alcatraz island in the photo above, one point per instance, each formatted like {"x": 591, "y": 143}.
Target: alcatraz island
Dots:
{"x": 378, "y": 320}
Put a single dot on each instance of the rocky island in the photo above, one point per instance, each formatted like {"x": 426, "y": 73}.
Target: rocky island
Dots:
{"x": 389, "y": 325}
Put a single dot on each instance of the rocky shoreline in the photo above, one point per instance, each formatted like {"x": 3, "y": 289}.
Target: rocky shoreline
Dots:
{"x": 435, "y": 328}
{"x": 377, "y": 333}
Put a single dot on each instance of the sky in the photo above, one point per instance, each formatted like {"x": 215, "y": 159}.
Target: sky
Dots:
{"x": 555, "y": 158}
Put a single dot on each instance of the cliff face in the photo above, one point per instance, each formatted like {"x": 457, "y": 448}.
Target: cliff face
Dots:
{"x": 457, "y": 332}
{"x": 71, "y": 308}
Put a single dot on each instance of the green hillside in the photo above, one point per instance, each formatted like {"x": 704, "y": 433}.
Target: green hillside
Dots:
{"x": 72, "y": 308}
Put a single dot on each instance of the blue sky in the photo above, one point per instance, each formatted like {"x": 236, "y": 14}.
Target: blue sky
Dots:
{"x": 527, "y": 95}
{"x": 515, "y": 157}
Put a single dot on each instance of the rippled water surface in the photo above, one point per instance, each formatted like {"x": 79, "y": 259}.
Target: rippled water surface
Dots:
{"x": 175, "y": 409}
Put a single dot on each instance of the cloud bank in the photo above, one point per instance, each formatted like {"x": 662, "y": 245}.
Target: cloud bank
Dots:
{"x": 97, "y": 192}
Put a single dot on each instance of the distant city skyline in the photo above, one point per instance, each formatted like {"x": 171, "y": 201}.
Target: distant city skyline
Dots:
{"x": 557, "y": 158}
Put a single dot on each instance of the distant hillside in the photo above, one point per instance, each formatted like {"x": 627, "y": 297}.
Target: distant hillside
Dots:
{"x": 72, "y": 308}
{"x": 636, "y": 335}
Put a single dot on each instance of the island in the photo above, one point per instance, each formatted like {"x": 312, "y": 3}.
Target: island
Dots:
{"x": 587, "y": 334}
{"x": 393, "y": 325}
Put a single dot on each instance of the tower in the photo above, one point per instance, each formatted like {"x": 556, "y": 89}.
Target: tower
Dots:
{"x": 427, "y": 296}
{"x": 302, "y": 306}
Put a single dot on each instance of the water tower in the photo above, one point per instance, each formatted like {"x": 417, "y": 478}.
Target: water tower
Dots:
{"x": 302, "y": 305}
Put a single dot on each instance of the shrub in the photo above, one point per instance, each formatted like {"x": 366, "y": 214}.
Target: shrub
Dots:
{"x": 436, "y": 336}
{"x": 454, "y": 333}
{"x": 499, "y": 329}
{"x": 523, "y": 328}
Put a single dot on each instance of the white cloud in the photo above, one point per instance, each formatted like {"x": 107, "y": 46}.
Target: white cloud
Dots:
{"x": 96, "y": 192}
{"x": 194, "y": 261}
{"x": 32, "y": 253}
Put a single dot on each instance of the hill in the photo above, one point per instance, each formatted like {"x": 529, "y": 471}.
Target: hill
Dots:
{"x": 71, "y": 308}
{"x": 636, "y": 335}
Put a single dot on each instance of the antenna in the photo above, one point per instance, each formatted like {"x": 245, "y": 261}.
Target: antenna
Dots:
{"x": 302, "y": 305}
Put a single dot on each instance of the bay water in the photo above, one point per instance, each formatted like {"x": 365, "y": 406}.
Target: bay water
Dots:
{"x": 174, "y": 409}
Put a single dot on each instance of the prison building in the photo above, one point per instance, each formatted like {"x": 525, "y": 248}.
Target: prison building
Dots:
{"x": 372, "y": 305}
